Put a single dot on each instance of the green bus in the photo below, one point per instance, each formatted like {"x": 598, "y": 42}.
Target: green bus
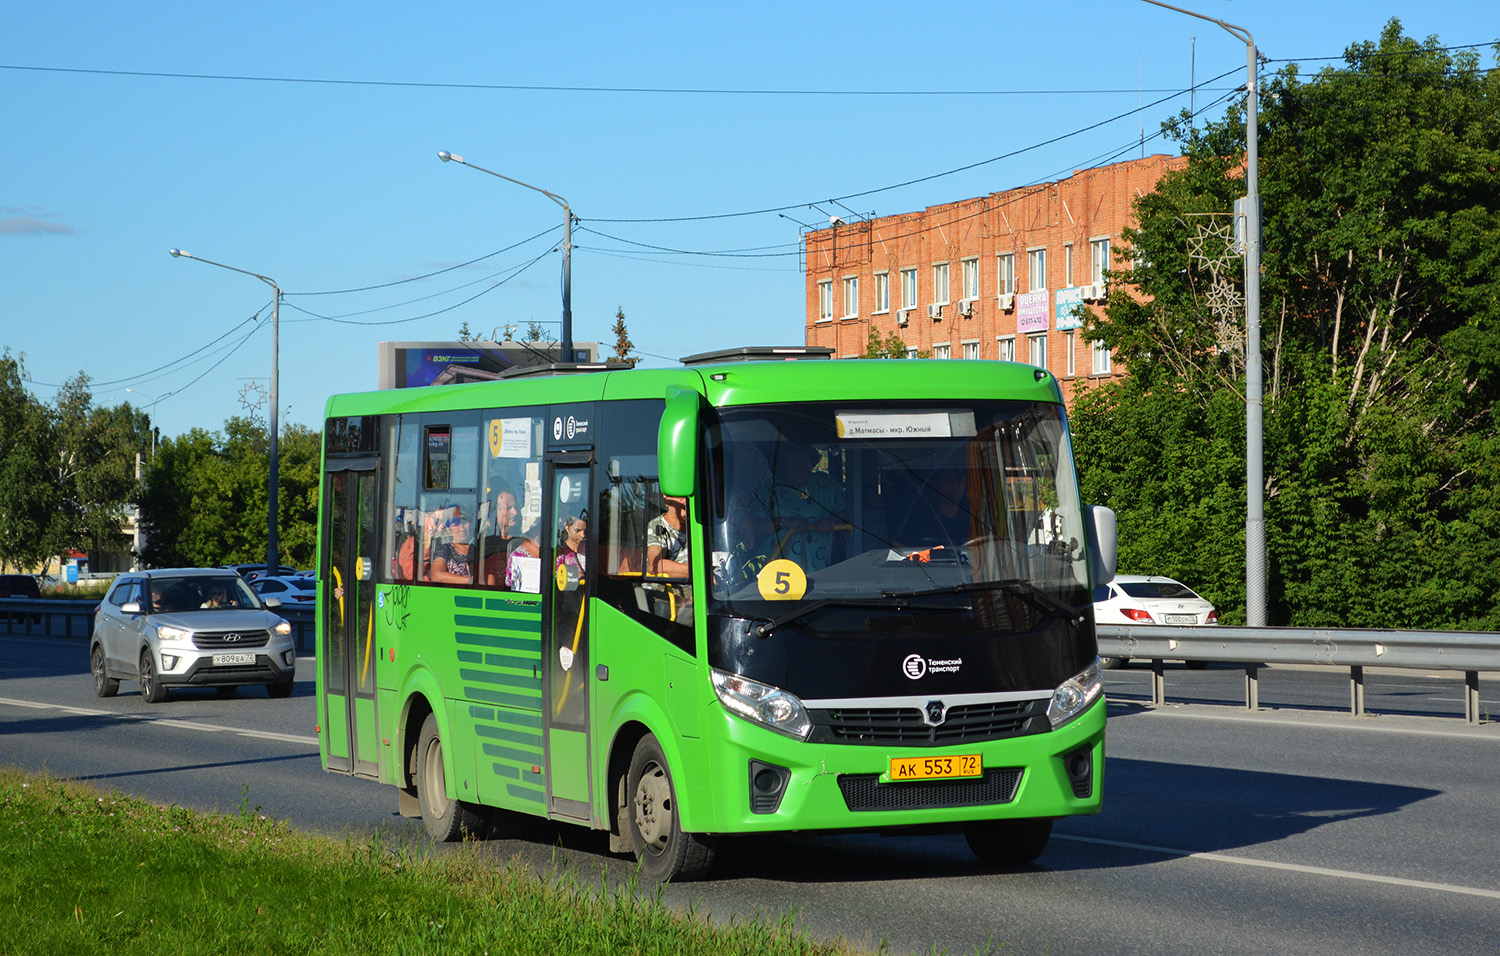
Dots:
{"x": 762, "y": 592}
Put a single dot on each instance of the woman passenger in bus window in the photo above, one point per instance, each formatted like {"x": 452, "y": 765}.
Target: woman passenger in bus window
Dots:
{"x": 570, "y": 550}
{"x": 451, "y": 562}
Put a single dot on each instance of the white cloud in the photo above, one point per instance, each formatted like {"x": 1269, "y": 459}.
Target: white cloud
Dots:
{"x": 30, "y": 226}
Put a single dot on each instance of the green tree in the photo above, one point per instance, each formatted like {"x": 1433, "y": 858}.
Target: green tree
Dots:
{"x": 95, "y": 468}
{"x": 623, "y": 345}
{"x": 1381, "y": 308}
{"x": 889, "y": 346}
{"x": 28, "y": 491}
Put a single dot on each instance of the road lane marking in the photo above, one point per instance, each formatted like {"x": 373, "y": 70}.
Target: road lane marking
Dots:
{"x": 165, "y": 721}
{"x": 1336, "y": 721}
{"x": 1290, "y": 867}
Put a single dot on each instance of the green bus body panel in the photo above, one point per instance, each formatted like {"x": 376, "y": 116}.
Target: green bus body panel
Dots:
{"x": 364, "y": 717}
{"x": 335, "y": 723}
{"x": 475, "y": 657}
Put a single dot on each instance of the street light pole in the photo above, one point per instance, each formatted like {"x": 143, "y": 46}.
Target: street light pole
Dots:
{"x": 154, "y": 400}
{"x": 1255, "y": 482}
{"x": 567, "y": 247}
{"x": 272, "y": 555}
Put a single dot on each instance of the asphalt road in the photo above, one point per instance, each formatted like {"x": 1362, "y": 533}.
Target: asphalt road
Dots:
{"x": 1296, "y": 830}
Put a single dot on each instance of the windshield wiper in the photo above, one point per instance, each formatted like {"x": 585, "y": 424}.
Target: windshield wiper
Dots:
{"x": 1018, "y": 586}
{"x": 893, "y": 601}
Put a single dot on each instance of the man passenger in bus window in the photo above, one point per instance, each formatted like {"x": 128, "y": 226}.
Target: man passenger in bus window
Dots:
{"x": 941, "y": 514}
{"x": 451, "y": 561}
{"x": 805, "y": 508}
{"x": 667, "y": 556}
{"x": 503, "y": 538}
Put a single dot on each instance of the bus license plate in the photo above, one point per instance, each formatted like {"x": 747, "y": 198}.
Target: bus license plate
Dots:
{"x": 234, "y": 659}
{"x": 936, "y": 768}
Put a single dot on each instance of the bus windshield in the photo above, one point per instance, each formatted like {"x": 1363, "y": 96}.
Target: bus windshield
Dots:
{"x": 882, "y": 504}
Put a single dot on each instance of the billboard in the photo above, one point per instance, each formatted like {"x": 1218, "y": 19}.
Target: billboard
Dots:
{"x": 414, "y": 364}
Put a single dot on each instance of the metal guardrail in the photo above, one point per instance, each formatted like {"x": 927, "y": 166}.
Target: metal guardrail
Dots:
{"x": 62, "y": 618}
{"x": 1466, "y": 651}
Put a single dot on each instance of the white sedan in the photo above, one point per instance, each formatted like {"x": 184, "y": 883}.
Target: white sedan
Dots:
{"x": 1150, "y": 599}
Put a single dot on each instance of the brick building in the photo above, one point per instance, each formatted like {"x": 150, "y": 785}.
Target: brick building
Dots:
{"x": 995, "y": 277}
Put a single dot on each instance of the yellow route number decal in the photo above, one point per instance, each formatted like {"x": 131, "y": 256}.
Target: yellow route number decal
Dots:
{"x": 782, "y": 580}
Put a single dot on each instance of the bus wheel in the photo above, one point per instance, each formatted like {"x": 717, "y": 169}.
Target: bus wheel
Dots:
{"x": 151, "y": 688}
{"x": 1008, "y": 842}
{"x": 104, "y": 685}
{"x": 665, "y": 852}
{"x": 444, "y": 819}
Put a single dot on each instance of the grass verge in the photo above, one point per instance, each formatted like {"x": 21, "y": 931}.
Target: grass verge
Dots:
{"x": 88, "y": 871}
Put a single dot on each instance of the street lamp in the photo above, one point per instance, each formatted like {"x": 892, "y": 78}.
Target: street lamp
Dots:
{"x": 154, "y": 400}
{"x": 567, "y": 248}
{"x": 271, "y": 505}
{"x": 1255, "y": 482}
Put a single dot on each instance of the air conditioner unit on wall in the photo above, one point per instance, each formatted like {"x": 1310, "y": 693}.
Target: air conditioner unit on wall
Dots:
{"x": 966, "y": 307}
{"x": 1007, "y": 301}
{"x": 903, "y": 317}
{"x": 1094, "y": 293}
{"x": 935, "y": 312}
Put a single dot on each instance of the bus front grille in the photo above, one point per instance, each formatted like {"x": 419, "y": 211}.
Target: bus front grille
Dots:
{"x": 904, "y": 725}
{"x": 864, "y": 791}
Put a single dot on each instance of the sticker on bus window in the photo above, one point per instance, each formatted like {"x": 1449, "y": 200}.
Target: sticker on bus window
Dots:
{"x": 781, "y": 580}
{"x": 510, "y": 438}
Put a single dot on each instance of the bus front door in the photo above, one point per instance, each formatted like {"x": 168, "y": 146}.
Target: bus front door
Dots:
{"x": 347, "y": 655}
{"x": 567, "y": 633}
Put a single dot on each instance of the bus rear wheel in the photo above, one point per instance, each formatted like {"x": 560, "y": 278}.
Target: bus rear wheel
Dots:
{"x": 1008, "y": 842}
{"x": 444, "y": 818}
{"x": 665, "y": 852}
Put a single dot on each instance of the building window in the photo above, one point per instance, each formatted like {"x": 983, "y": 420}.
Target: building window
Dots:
{"x": 1007, "y": 346}
{"x": 882, "y": 292}
{"x": 940, "y": 283}
{"x": 1101, "y": 358}
{"x": 908, "y": 288}
{"x": 911, "y": 351}
{"x": 942, "y": 350}
{"x": 1068, "y": 265}
{"x": 971, "y": 350}
{"x": 1005, "y": 274}
{"x": 1038, "y": 347}
{"x": 1098, "y": 260}
{"x": 851, "y": 297}
{"x": 1068, "y": 345}
{"x": 1036, "y": 270}
{"x": 825, "y": 300}
{"x": 971, "y": 278}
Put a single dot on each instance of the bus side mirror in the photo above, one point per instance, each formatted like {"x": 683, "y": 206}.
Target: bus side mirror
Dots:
{"x": 1103, "y": 542}
{"x": 677, "y": 443}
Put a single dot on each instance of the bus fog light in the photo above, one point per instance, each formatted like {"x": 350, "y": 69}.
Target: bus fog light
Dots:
{"x": 1075, "y": 695}
{"x": 763, "y": 704}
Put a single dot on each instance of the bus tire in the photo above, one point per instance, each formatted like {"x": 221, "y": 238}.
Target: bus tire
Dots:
{"x": 1008, "y": 842}
{"x": 444, "y": 818}
{"x": 151, "y": 687}
{"x": 663, "y": 850}
{"x": 104, "y": 685}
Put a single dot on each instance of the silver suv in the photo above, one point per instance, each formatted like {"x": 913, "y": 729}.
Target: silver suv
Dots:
{"x": 200, "y": 627}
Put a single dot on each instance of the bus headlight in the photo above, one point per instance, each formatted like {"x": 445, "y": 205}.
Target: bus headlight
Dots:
{"x": 1075, "y": 695}
{"x": 765, "y": 705}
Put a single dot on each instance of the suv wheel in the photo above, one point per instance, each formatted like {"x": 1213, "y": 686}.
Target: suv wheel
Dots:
{"x": 104, "y": 685}
{"x": 151, "y": 688}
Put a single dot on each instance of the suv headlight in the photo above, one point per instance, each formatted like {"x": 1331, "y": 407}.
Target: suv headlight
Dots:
{"x": 1075, "y": 695}
{"x": 167, "y": 633}
{"x": 765, "y": 705}
{"x": 283, "y": 628}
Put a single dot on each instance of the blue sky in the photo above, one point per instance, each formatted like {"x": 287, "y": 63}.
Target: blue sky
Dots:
{"x": 317, "y": 165}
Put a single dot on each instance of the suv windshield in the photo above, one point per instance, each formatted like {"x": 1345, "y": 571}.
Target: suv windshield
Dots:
{"x": 845, "y": 505}
{"x": 177, "y": 595}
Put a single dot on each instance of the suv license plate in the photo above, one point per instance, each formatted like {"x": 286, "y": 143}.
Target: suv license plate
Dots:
{"x": 234, "y": 659}
{"x": 1182, "y": 619}
{"x": 936, "y": 768}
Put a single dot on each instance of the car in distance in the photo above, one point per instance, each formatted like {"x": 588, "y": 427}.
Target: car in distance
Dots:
{"x": 189, "y": 627}
{"x": 20, "y": 586}
{"x": 1150, "y": 599}
{"x": 258, "y": 570}
{"x": 288, "y": 590}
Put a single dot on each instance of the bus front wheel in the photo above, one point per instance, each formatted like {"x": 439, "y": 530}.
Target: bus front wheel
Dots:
{"x": 665, "y": 852}
{"x": 444, "y": 818}
{"x": 1008, "y": 842}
